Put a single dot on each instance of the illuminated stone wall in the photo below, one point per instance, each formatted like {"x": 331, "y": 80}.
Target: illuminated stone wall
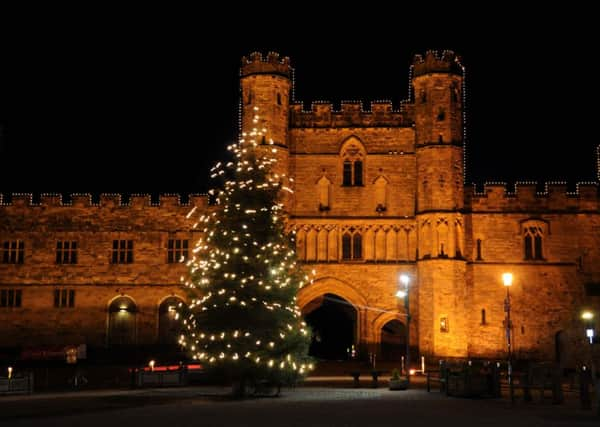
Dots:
{"x": 410, "y": 208}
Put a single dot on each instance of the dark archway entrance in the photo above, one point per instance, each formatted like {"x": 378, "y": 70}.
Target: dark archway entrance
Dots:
{"x": 121, "y": 322}
{"x": 333, "y": 323}
{"x": 393, "y": 341}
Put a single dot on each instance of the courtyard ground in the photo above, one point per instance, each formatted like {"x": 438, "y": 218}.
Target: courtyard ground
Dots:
{"x": 332, "y": 405}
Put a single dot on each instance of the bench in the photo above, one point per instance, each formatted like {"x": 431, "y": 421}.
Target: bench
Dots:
{"x": 375, "y": 374}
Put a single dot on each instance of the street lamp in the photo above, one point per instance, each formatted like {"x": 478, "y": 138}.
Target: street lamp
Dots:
{"x": 403, "y": 293}
{"x": 588, "y": 317}
{"x": 507, "y": 278}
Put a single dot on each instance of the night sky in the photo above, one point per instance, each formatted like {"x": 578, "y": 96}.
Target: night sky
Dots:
{"x": 137, "y": 107}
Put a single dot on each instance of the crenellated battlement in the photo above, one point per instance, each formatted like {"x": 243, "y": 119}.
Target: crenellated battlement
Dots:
{"x": 106, "y": 200}
{"x": 447, "y": 62}
{"x": 255, "y": 63}
{"x": 351, "y": 114}
{"x": 496, "y": 196}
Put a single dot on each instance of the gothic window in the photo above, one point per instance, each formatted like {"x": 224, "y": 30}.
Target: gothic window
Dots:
{"x": 278, "y": 99}
{"x": 478, "y": 257}
{"x": 353, "y": 173}
{"x": 249, "y": 99}
{"x": 533, "y": 237}
{"x": 353, "y": 155}
{"x": 483, "y": 319}
{"x": 351, "y": 245}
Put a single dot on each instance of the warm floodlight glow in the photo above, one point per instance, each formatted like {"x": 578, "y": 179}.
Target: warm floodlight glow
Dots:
{"x": 587, "y": 315}
{"x": 401, "y": 293}
{"x": 151, "y": 364}
{"x": 507, "y": 278}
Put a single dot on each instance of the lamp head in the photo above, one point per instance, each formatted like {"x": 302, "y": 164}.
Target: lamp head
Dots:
{"x": 587, "y": 315}
{"x": 404, "y": 279}
{"x": 507, "y": 278}
{"x": 401, "y": 293}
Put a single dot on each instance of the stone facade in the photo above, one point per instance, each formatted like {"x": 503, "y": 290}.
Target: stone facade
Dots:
{"x": 376, "y": 193}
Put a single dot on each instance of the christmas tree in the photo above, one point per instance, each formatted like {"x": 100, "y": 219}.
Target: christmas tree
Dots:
{"x": 242, "y": 321}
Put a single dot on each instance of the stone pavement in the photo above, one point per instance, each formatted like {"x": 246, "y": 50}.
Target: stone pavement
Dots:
{"x": 303, "y": 406}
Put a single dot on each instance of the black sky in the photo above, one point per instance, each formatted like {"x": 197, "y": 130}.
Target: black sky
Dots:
{"x": 134, "y": 106}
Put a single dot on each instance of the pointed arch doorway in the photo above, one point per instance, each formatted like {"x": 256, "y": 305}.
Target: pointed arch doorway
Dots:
{"x": 333, "y": 321}
{"x": 393, "y": 340}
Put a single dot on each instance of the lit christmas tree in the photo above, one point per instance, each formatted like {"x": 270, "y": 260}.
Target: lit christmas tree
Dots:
{"x": 243, "y": 321}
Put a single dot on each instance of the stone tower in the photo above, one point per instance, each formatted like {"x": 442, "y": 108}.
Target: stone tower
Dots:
{"x": 438, "y": 83}
{"x": 266, "y": 90}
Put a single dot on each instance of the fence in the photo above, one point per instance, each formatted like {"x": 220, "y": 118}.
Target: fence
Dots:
{"x": 17, "y": 385}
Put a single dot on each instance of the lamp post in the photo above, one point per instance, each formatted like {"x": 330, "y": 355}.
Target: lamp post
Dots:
{"x": 587, "y": 378}
{"x": 403, "y": 293}
{"x": 507, "y": 278}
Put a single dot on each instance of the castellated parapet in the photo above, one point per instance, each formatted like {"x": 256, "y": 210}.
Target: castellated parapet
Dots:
{"x": 105, "y": 200}
{"x": 255, "y": 63}
{"x": 524, "y": 197}
{"x": 447, "y": 62}
{"x": 351, "y": 114}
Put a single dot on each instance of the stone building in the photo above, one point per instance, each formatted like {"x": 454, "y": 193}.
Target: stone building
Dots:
{"x": 377, "y": 193}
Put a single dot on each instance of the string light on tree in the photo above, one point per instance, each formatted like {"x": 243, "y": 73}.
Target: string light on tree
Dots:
{"x": 243, "y": 319}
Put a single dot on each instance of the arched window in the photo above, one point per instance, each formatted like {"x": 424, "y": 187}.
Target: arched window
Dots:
{"x": 121, "y": 321}
{"x": 533, "y": 235}
{"x": 168, "y": 323}
{"x": 278, "y": 99}
{"x": 353, "y": 154}
{"x": 351, "y": 245}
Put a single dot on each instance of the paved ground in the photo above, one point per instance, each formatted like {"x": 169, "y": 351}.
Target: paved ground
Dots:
{"x": 303, "y": 406}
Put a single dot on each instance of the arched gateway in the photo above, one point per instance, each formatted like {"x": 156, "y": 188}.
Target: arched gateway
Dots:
{"x": 333, "y": 309}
